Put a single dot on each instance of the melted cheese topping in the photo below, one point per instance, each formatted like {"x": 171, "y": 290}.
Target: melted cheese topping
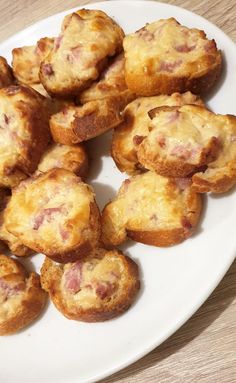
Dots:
{"x": 139, "y": 109}
{"x": 95, "y": 272}
{"x": 148, "y": 202}
{"x": 62, "y": 156}
{"x": 165, "y": 46}
{"x": 87, "y": 37}
{"x": 53, "y": 209}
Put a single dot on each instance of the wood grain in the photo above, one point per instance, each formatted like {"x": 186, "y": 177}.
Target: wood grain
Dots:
{"x": 204, "y": 349}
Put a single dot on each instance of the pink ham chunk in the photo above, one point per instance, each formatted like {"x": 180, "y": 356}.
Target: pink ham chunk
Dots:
{"x": 104, "y": 289}
{"x": 73, "y": 278}
{"x": 184, "y": 152}
{"x": 184, "y": 48}
{"x": 57, "y": 42}
{"x": 138, "y": 139}
{"x": 47, "y": 69}
{"x": 170, "y": 67}
{"x": 161, "y": 140}
{"x": 183, "y": 183}
{"x": 9, "y": 289}
{"x": 46, "y": 215}
{"x": 145, "y": 34}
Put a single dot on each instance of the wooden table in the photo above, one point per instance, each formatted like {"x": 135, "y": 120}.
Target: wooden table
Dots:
{"x": 204, "y": 349}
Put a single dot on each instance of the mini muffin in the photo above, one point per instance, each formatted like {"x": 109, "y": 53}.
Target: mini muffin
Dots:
{"x": 81, "y": 123}
{"x": 26, "y": 60}
{"x": 21, "y": 297}
{"x": 151, "y": 209}
{"x": 73, "y": 158}
{"x": 6, "y": 77}
{"x": 179, "y": 142}
{"x": 99, "y": 287}
{"x": 88, "y": 38}
{"x": 111, "y": 83}
{"x": 135, "y": 126}
{"x": 15, "y": 245}
{"x": 24, "y": 133}
{"x": 56, "y": 214}
{"x": 165, "y": 57}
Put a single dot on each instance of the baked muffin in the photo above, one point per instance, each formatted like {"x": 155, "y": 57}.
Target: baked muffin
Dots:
{"x": 21, "y": 297}
{"x": 96, "y": 288}
{"x": 165, "y": 57}
{"x": 24, "y": 133}
{"x": 26, "y": 60}
{"x": 76, "y": 124}
{"x": 15, "y": 245}
{"x": 135, "y": 126}
{"x": 73, "y": 158}
{"x": 55, "y": 214}
{"x": 180, "y": 141}
{"x": 151, "y": 209}
{"x": 6, "y": 76}
{"x": 111, "y": 83}
{"x": 87, "y": 39}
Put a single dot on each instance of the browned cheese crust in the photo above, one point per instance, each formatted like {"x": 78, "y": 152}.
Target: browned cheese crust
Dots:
{"x": 73, "y": 158}
{"x": 135, "y": 126}
{"x": 56, "y": 214}
{"x": 88, "y": 38}
{"x": 21, "y": 297}
{"x": 180, "y": 141}
{"x": 151, "y": 209}
{"x": 165, "y": 57}
{"x": 15, "y": 245}
{"x": 111, "y": 83}
{"x": 99, "y": 287}
{"x": 81, "y": 123}
{"x": 6, "y": 76}
{"x": 24, "y": 133}
{"x": 26, "y": 60}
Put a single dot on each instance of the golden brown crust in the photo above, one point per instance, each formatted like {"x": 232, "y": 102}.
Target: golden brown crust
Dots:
{"x": 26, "y": 60}
{"x": 151, "y": 209}
{"x": 99, "y": 287}
{"x": 55, "y": 213}
{"x": 6, "y": 76}
{"x": 193, "y": 63}
{"x": 135, "y": 127}
{"x": 15, "y": 245}
{"x": 82, "y": 62}
{"x": 24, "y": 114}
{"x": 77, "y": 124}
{"x": 73, "y": 158}
{"x": 21, "y": 298}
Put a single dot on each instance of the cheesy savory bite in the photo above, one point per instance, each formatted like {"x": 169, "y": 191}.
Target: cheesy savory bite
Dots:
{"x": 165, "y": 57}
{"x": 151, "y": 209}
{"x": 110, "y": 83}
{"x": 129, "y": 133}
{"x": 6, "y": 76}
{"x": 88, "y": 38}
{"x": 75, "y": 124}
{"x": 21, "y": 297}
{"x": 24, "y": 133}
{"x": 73, "y": 158}
{"x": 26, "y": 60}
{"x": 14, "y": 244}
{"x": 180, "y": 141}
{"x": 55, "y": 213}
{"x": 96, "y": 288}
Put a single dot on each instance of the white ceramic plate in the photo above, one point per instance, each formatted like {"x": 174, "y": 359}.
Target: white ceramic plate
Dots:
{"x": 175, "y": 281}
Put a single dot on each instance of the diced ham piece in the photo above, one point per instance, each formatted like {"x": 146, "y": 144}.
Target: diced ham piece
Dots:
{"x": 13, "y": 89}
{"x": 210, "y": 46}
{"x": 64, "y": 233}
{"x": 8, "y": 289}
{"x": 104, "y": 289}
{"x": 145, "y": 34}
{"x": 161, "y": 140}
{"x": 138, "y": 139}
{"x": 73, "y": 278}
{"x": 183, "y": 183}
{"x": 184, "y": 152}
{"x": 173, "y": 116}
{"x": 169, "y": 67}
{"x": 46, "y": 215}
{"x": 57, "y": 42}
{"x": 184, "y": 48}
{"x": 47, "y": 69}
